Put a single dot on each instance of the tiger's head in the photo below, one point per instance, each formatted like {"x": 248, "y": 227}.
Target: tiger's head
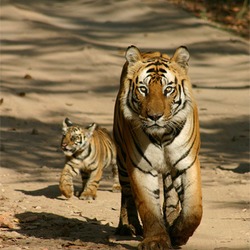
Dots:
{"x": 156, "y": 93}
{"x": 75, "y": 138}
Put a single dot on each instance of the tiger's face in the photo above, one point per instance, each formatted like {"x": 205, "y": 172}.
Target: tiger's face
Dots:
{"x": 157, "y": 94}
{"x": 74, "y": 137}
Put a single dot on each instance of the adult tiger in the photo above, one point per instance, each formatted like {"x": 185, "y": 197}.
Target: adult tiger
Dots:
{"x": 156, "y": 131}
{"x": 87, "y": 152}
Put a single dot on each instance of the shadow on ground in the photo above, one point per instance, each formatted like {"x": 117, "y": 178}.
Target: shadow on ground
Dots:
{"x": 51, "y": 226}
{"x": 227, "y": 142}
{"x": 73, "y": 32}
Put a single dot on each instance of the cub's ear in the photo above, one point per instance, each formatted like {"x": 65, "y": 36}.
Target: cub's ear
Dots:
{"x": 91, "y": 129}
{"x": 66, "y": 123}
{"x": 181, "y": 56}
{"x": 133, "y": 55}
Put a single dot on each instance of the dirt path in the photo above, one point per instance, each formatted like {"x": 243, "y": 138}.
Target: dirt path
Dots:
{"x": 63, "y": 59}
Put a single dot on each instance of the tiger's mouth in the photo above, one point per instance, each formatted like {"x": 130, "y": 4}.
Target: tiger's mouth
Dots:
{"x": 67, "y": 152}
{"x": 151, "y": 124}
{"x": 154, "y": 128}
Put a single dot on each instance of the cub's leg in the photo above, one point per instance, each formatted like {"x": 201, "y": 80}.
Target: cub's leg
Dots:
{"x": 116, "y": 186}
{"x": 191, "y": 202}
{"x": 66, "y": 180}
{"x": 85, "y": 177}
{"x": 90, "y": 189}
{"x": 147, "y": 196}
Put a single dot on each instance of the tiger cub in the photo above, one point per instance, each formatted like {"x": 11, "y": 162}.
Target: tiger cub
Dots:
{"x": 88, "y": 151}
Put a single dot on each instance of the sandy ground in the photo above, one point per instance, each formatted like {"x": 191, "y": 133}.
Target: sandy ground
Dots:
{"x": 63, "y": 59}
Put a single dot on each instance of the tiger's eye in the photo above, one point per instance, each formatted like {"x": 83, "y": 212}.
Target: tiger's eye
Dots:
{"x": 73, "y": 138}
{"x": 143, "y": 90}
{"x": 168, "y": 90}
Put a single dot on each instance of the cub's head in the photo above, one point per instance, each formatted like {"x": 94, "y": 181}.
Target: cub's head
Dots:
{"x": 74, "y": 137}
{"x": 156, "y": 92}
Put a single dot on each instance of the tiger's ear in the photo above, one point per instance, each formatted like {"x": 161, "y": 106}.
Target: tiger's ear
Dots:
{"x": 91, "y": 129}
{"x": 66, "y": 123}
{"x": 181, "y": 56}
{"x": 133, "y": 55}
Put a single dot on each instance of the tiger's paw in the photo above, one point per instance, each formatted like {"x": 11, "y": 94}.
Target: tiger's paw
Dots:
{"x": 87, "y": 196}
{"x": 179, "y": 241}
{"x": 155, "y": 243}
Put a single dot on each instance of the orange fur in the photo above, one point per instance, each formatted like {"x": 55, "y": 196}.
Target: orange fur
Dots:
{"x": 156, "y": 131}
{"x": 88, "y": 151}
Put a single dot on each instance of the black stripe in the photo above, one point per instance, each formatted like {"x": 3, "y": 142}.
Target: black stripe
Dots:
{"x": 165, "y": 64}
{"x": 157, "y": 193}
{"x": 167, "y": 189}
{"x": 168, "y": 138}
{"x": 179, "y": 189}
{"x": 154, "y": 141}
{"x": 89, "y": 151}
{"x": 151, "y": 64}
{"x": 173, "y": 205}
{"x": 140, "y": 150}
{"x": 189, "y": 139}
{"x": 180, "y": 172}
{"x": 73, "y": 169}
{"x": 179, "y": 101}
{"x": 188, "y": 151}
{"x": 166, "y": 176}
{"x": 181, "y": 192}
{"x": 185, "y": 154}
{"x": 142, "y": 170}
{"x": 176, "y": 80}
{"x": 162, "y": 70}
{"x": 150, "y": 70}
{"x": 130, "y": 98}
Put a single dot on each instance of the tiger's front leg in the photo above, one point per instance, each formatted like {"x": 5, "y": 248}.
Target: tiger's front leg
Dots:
{"x": 66, "y": 180}
{"x": 129, "y": 224}
{"x": 191, "y": 202}
{"x": 147, "y": 197}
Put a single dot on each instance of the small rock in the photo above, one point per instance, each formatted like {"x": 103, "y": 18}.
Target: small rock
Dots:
{"x": 2, "y": 148}
{"x": 27, "y": 76}
{"x": 22, "y": 94}
{"x": 34, "y": 131}
{"x": 37, "y": 207}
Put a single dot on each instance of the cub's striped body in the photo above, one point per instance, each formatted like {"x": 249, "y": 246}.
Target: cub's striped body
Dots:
{"x": 156, "y": 131}
{"x": 88, "y": 151}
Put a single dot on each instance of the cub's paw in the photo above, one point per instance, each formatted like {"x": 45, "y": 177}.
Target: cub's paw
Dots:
{"x": 67, "y": 190}
{"x": 155, "y": 243}
{"x": 116, "y": 188}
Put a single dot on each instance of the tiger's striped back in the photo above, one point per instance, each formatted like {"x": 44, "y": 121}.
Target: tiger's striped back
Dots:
{"x": 88, "y": 151}
{"x": 156, "y": 130}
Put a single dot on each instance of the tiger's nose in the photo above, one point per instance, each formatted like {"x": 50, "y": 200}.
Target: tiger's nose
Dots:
{"x": 64, "y": 145}
{"x": 155, "y": 116}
